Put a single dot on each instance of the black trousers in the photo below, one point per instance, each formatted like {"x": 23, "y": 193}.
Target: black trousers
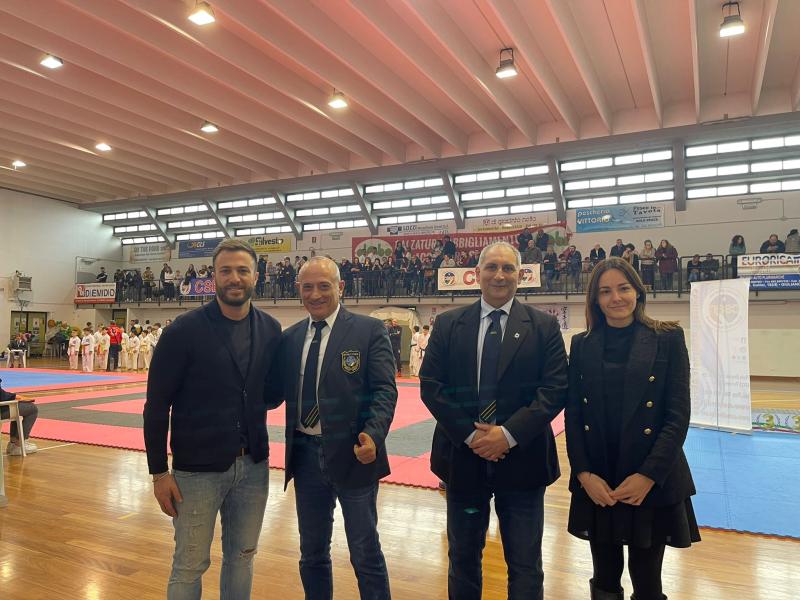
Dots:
{"x": 644, "y": 567}
{"x": 113, "y": 357}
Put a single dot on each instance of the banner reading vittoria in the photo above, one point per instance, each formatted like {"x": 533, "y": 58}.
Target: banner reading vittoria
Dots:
{"x": 626, "y": 216}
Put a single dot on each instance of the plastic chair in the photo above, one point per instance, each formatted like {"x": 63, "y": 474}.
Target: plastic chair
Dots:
{"x": 13, "y": 415}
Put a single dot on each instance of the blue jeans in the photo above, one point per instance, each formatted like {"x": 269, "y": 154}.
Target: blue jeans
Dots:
{"x": 521, "y": 516}
{"x": 315, "y": 498}
{"x": 240, "y": 496}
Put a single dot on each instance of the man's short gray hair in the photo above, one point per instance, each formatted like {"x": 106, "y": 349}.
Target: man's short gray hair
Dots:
{"x": 507, "y": 246}
{"x": 322, "y": 260}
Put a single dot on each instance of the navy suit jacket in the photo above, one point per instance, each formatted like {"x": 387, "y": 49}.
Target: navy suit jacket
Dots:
{"x": 532, "y": 390}
{"x": 356, "y": 392}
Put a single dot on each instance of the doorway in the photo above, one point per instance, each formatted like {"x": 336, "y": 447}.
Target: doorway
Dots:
{"x": 33, "y": 322}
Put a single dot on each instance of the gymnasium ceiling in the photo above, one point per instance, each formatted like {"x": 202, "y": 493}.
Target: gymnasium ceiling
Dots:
{"x": 419, "y": 76}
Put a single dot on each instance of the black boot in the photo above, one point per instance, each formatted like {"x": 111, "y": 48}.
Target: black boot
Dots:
{"x": 663, "y": 597}
{"x": 598, "y": 594}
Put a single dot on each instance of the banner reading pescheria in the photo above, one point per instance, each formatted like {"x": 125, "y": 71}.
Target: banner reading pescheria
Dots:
{"x": 457, "y": 278}
{"x": 422, "y": 245}
{"x": 720, "y": 385}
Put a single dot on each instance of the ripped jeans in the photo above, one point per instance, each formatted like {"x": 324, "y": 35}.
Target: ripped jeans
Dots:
{"x": 240, "y": 496}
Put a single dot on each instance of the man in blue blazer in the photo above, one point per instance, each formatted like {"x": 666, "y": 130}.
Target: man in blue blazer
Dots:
{"x": 206, "y": 386}
{"x": 340, "y": 394}
{"x": 494, "y": 376}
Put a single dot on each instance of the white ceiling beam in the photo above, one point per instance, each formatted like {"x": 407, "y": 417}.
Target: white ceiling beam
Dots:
{"x": 304, "y": 51}
{"x": 642, "y": 28}
{"x": 562, "y": 15}
{"x": 10, "y": 181}
{"x": 414, "y": 48}
{"x": 36, "y": 175}
{"x": 452, "y": 197}
{"x": 366, "y": 208}
{"x": 327, "y": 33}
{"x": 796, "y": 90}
{"x": 32, "y": 124}
{"x": 695, "y": 57}
{"x": 191, "y": 146}
{"x": 291, "y": 95}
{"x": 78, "y": 27}
{"x": 679, "y": 173}
{"x": 463, "y": 50}
{"x": 288, "y": 213}
{"x": 514, "y": 20}
{"x": 48, "y": 155}
{"x": 558, "y": 188}
{"x": 768, "y": 12}
{"x": 234, "y": 71}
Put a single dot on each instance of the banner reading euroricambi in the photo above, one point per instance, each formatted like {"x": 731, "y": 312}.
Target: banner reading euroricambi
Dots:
{"x": 720, "y": 354}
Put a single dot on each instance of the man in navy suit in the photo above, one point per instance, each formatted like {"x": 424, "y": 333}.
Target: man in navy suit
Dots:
{"x": 340, "y": 397}
{"x": 494, "y": 376}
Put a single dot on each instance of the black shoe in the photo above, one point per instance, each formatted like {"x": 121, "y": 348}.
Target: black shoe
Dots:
{"x": 598, "y": 594}
{"x": 442, "y": 486}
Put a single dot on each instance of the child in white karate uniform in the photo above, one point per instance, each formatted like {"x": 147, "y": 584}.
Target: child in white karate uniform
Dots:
{"x": 74, "y": 350}
{"x": 134, "y": 344}
{"x": 146, "y": 350}
{"x": 123, "y": 352}
{"x": 87, "y": 348}
{"x": 101, "y": 353}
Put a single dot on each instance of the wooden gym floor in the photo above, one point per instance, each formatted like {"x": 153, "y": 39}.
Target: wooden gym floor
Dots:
{"x": 82, "y": 524}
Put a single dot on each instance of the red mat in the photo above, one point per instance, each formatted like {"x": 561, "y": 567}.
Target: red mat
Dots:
{"x": 406, "y": 470}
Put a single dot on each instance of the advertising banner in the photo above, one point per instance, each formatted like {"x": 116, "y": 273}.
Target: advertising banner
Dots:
{"x": 612, "y": 218}
{"x": 266, "y": 244}
{"x": 559, "y": 311}
{"x": 771, "y": 271}
{"x": 200, "y": 286}
{"x": 150, "y": 253}
{"x": 197, "y": 248}
{"x": 720, "y": 369}
{"x": 422, "y": 244}
{"x": 95, "y": 293}
{"x": 458, "y": 278}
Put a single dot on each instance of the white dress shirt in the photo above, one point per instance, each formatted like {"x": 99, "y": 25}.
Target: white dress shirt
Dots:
{"x": 323, "y": 344}
{"x": 486, "y": 310}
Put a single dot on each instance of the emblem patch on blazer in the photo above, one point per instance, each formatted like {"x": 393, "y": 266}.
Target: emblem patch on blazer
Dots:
{"x": 351, "y": 361}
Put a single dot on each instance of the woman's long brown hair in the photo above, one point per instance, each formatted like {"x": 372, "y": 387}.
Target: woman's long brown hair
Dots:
{"x": 595, "y": 316}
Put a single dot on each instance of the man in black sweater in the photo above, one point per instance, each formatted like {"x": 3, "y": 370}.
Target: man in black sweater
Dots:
{"x": 209, "y": 376}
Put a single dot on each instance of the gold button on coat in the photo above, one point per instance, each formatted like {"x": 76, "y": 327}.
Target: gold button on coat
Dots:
{"x": 648, "y": 431}
{"x": 649, "y": 404}
{"x": 651, "y": 379}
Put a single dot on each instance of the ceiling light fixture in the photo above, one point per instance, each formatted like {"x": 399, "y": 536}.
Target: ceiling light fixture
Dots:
{"x": 732, "y": 23}
{"x": 209, "y": 127}
{"x": 103, "y": 147}
{"x": 18, "y": 164}
{"x": 507, "y": 68}
{"x": 51, "y": 62}
{"x": 202, "y": 14}
{"x": 337, "y": 100}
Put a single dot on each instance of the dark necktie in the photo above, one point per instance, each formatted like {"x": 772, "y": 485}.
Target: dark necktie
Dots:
{"x": 310, "y": 414}
{"x": 490, "y": 357}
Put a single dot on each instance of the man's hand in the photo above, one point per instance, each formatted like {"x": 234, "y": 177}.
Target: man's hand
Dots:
{"x": 167, "y": 493}
{"x": 365, "y": 450}
{"x": 490, "y": 442}
{"x": 21, "y": 398}
{"x": 596, "y": 487}
{"x": 634, "y": 489}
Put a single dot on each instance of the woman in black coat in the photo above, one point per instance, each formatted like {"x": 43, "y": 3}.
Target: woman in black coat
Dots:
{"x": 626, "y": 421}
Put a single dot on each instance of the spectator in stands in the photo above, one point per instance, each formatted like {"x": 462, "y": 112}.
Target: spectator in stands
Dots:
{"x": 618, "y": 249}
{"x": 792, "y": 243}
{"x": 647, "y": 260}
{"x": 550, "y": 263}
{"x": 102, "y": 276}
{"x": 177, "y": 282}
{"x": 261, "y": 282}
{"x": 399, "y": 252}
{"x": 119, "y": 280}
{"x": 667, "y": 257}
{"x": 472, "y": 259}
{"x": 542, "y": 240}
{"x": 693, "y": 269}
{"x": 203, "y": 272}
{"x": 531, "y": 255}
{"x": 710, "y": 268}
{"x": 596, "y": 254}
{"x": 272, "y": 279}
{"x": 28, "y": 411}
{"x": 631, "y": 256}
{"x": 524, "y": 239}
{"x": 167, "y": 278}
{"x": 773, "y": 245}
{"x": 287, "y": 277}
{"x": 147, "y": 280}
{"x": 357, "y": 276}
{"x": 448, "y": 262}
{"x": 448, "y": 247}
{"x": 429, "y": 273}
{"x": 736, "y": 249}
{"x": 574, "y": 264}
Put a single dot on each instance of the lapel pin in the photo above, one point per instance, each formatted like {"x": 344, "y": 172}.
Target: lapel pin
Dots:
{"x": 516, "y": 336}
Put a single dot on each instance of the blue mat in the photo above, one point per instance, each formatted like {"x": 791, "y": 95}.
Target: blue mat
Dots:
{"x": 26, "y": 378}
{"x": 746, "y": 482}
